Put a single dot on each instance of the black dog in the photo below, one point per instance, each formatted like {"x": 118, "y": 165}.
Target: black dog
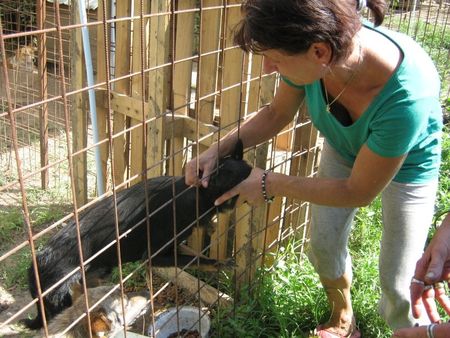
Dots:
{"x": 60, "y": 256}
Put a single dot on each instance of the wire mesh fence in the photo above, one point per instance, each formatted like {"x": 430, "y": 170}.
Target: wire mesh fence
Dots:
{"x": 102, "y": 105}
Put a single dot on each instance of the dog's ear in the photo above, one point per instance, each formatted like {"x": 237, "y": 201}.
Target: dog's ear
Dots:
{"x": 238, "y": 152}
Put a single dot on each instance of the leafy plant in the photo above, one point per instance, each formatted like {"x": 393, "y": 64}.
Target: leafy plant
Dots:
{"x": 136, "y": 282}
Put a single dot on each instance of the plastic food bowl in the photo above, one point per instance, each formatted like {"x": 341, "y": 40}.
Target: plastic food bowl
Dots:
{"x": 189, "y": 318}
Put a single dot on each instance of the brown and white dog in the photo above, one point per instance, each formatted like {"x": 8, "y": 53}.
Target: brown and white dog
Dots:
{"x": 106, "y": 318}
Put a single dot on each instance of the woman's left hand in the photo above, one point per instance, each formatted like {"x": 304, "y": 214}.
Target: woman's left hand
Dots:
{"x": 249, "y": 190}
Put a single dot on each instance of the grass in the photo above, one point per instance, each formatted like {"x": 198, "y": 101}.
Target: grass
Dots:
{"x": 289, "y": 300}
{"x": 45, "y": 207}
{"x": 286, "y": 302}
{"x": 443, "y": 198}
{"x": 435, "y": 39}
{"x": 13, "y": 272}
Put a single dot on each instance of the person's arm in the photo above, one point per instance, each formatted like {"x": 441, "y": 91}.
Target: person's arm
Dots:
{"x": 370, "y": 174}
{"x": 270, "y": 120}
{"x": 261, "y": 126}
{"x": 439, "y": 331}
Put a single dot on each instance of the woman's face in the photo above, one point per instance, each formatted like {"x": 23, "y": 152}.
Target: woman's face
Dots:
{"x": 300, "y": 69}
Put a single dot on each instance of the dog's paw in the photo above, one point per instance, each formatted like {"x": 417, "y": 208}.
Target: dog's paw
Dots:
{"x": 32, "y": 324}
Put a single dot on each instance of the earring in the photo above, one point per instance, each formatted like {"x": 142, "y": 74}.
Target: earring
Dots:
{"x": 325, "y": 69}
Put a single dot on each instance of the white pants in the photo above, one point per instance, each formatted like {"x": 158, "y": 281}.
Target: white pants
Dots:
{"x": 407, "y": 215}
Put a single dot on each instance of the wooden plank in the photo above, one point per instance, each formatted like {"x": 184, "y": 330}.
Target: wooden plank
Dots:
{"x": 184, "y": 47}
{"x": 102, "y": 113}
{"x": 302, "y": 141}
{"x": 208, "y": 64}
{"x": 158, "y": 83}
{"x": 182, "y": 75}
{"x": 42, "y": 69}
{"x": 258, "y": 218}
{"x": 178, "y": 158}
{"x": 175, "y": 126}
{"x": 230, "y": 108}
{"x": 231, "y": 72}
{"x": 79, "y": 118}
{"x": 122, "y": 67}
{"x": 250, "y": 230}
{"x": 261, "y": 92}
{"x": 272, "y": 231}
{"x": 127, "y": 105}
{"x": 255, "y": 85}
{"x": 219, "y": 238}
{"x": 307, "y": 168}
{"x": 137, "y": 92}
{"x": 259, "y": 215}
{"x": 243, "y": 245}
{"x": 206, "y": 132}
{"x": 196, "y": 240}
{"x": 207, "y": 294}
{"x": 253, "y": 227}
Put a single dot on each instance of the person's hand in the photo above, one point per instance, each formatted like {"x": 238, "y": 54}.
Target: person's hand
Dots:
{"x": 249, "y": 190}
{"x": 432, "y": 271}
{"x": 199, "y": 169}
{"x": 428, "y": 286}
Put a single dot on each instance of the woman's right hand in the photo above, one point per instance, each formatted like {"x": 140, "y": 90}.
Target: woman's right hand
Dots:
{"x": 199, "y": 169}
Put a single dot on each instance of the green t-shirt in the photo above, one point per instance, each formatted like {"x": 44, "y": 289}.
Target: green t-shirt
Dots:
{"x": 405, "y": 117}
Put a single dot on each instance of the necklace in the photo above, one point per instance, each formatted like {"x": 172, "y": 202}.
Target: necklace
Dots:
{"x": 328, "y": 105}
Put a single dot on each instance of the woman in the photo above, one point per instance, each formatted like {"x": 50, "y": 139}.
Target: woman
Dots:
{"x": 432, "y": 270}
{"x": 374, "y": 95}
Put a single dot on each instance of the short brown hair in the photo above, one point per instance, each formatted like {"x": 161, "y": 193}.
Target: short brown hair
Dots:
{"x": 293, "y": 25}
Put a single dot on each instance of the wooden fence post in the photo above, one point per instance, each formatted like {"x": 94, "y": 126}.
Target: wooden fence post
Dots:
{"x": 79, "y": 119}
{"x": 158, "y": 84}
{"x": 42, "y": 69}
{"x": 208, "y": 64}
{"x": 122, "y": 68}
{"x": 182, "y": 75}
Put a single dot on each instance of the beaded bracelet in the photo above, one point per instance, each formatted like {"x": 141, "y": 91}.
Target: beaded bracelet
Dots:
{"x": 263, "y": 187}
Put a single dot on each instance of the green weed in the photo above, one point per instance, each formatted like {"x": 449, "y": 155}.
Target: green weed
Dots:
{"x": 11, "y": 221}
{"x": 136, "y": 282}
{"x": 13, "y": 272}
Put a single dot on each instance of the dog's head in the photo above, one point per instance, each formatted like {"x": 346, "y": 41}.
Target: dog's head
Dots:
{"x": 232, "y": 170}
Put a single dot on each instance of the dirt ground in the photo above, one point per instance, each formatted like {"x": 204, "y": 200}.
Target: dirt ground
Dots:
{"x": 11, "y": 304}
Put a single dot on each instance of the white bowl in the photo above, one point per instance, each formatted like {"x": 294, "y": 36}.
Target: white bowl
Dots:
{"x": 189, "y": 318}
